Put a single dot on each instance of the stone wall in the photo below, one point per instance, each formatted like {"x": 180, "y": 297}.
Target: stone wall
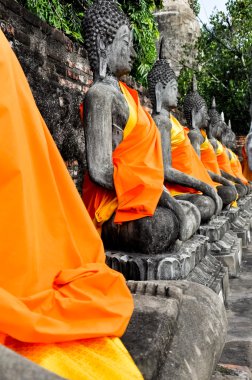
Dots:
{"x": 180, "y": 30}
{"x": 59, "y": 75}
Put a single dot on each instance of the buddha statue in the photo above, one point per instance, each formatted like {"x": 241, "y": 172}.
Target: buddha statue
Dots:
{"x": 184, "y": 174}
{"x": 229, "y": 140}
{"x": 218, "y": 128}
{"x": 247, "y": 153}
{"x": 196, "y": 114}
{"x": 123, "y": 187}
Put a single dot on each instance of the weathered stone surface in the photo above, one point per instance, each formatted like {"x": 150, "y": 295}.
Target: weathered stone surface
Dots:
{"x": 152, "y": 326}
{"x": 229, "y": 252}
{"x": 215, "y": 229}
{"x": 192, "y": 345}
{"x": 211, "y": 273}
{"x": 176, "y": 264}
{"x": 13, "y": 366}
{"x": 237, "y": 352}
{"x": 179, "y": 27}
{"x": 232, "y": 372}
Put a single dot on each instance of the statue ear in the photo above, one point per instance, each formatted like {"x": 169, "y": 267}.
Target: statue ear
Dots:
{"x": 194, "y": 118}
{"x": 158, "y": 95}
{"x": 102, "y": 57}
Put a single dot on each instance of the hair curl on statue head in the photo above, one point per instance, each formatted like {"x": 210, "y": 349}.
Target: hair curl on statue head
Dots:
{"x": 160, "y": 72}
{"x": 215, "y": 117}
{"x": 103, "y": 18}
{"x": 192, "y": 100}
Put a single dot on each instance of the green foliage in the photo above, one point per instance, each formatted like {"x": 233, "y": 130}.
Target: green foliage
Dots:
{"x": 225, "y": 62}
{"x": 194, "y": 4}
{"x": 67, "y": 16}
{"x": 61, "y": 15}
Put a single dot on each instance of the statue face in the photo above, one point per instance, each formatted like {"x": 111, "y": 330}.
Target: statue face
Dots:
{"x": 201, "y": 118}
{"x": 120, "y": 53}
{"x": 217, "y": 130}
{"x": 170, "y": 95}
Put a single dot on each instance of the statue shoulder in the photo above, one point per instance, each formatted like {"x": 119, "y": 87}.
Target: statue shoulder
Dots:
{"x": 99, "y": 94}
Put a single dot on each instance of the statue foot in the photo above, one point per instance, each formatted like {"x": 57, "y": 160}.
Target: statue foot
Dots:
{"x": 191, "y": 223}
{"x": 149, "y": 235}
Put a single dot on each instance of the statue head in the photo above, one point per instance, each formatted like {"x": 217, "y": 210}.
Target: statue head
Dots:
{"x": 108, "y": 39}
{"x": 217, "y": 125}
{"x": 163, "y": 86}
{"x": 195, "y": 109}
{"x": 229, "y": 137}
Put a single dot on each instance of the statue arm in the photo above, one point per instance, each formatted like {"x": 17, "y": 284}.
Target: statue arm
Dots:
{"x": 180, "y": 178}
{"x": 217, "y": 178}
{"x": 231, "y": 178}
{"x": 98, "y": 135}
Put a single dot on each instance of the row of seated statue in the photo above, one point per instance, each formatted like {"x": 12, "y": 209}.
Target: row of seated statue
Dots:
{"x": 150, "y": 181}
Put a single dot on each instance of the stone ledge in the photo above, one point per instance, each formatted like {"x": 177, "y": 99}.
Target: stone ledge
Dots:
{"x": 215, "y": 229}
{"x": 229, "y": 252}
{"x": 168, "y": 266}
{"x": 192, "y": 330}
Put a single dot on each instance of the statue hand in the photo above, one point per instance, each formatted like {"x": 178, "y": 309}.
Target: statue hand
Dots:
{"x": 189, "y": 220}
{"x": 187, "y": 214}
{"x": 218, "y": 203}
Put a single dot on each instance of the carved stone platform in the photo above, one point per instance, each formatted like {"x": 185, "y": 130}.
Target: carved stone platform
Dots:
{"x": 172, "y": 340}
{"x": 225, "y": 245}
{"x": 191, "y": 260}
{"x": 229, "y": 251}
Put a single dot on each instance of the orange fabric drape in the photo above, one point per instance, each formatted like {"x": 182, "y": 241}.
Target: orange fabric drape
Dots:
{"x": 208, "y": 156}
{"x": 54, "y": 284}
{"x": 138, "y": 170}
{"x": 245, "y": 168}
{"x": 224, "y": 162}
{"x": 236, "y": 167}
{"x": 186, "y": 160}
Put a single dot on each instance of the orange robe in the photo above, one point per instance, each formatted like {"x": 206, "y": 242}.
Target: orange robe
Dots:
{"x": 54, "y": 283}
{"x": 138, "y": 170}
{"x": 223, "y": 159}
{"x": 245, "y": 167}
{"x": 208, "y": 156}
{"x": 236, "y": 167}
{"x": 185, "y": 159}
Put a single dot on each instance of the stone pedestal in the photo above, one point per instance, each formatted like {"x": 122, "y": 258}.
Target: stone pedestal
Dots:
{"x": 181, "y": 329}
{"x": 191, "y": 260}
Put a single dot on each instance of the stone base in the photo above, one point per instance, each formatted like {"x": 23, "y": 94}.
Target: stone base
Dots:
{"x": 229, "y": 252}
{"x": 180, "y": 327}
{"x": 173, "y": 265}
{"x": 215, "y": 229}
{"x": 191, "y": 261}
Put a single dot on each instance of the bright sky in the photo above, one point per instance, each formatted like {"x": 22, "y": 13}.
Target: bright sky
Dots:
{"x": 207, "y": 7}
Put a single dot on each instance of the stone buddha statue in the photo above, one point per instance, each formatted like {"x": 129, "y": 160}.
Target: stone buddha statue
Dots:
{"x": 229, "y": 140}
{"x": 184, "y": 174}
{"x": 247, "y": 152}
{"x": 196, "y": 114}
{"x": 218, "y": 130}
{"x": 123, "y": 187}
